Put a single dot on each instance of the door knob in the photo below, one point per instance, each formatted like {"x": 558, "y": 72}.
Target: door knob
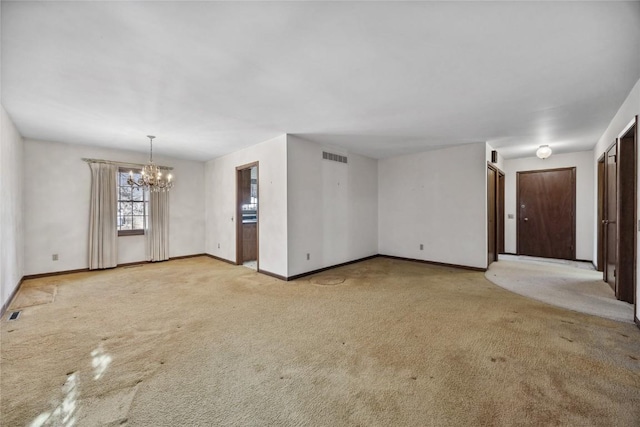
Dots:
{"x": 526, "y": 219}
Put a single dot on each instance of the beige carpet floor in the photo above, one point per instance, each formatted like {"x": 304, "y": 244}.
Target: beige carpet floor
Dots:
{"x": 196, "y": 342}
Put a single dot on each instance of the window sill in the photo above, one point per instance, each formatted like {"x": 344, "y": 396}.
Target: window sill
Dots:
{"x": 130, "y": 233}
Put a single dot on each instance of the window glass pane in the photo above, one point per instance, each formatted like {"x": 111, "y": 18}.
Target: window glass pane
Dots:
{"x": 125, "y": 192}
{"x": 137, "y": 194}
{"x": 136, "y": 177}
{"x": 122, "y": 178}
{"x": 125, "y": 223}
{"x": 138, "y": 222}
{"x": 125, "y": 208}
{"x": 138, "y": 208}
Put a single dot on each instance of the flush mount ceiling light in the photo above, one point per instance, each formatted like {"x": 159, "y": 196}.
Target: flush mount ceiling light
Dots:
{"x": 543, "y": 152}
{"x": 151, "y": 176}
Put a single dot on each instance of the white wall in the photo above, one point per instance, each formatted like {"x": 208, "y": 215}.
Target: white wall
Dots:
{"x": 11, "y": 207}
{"x": 57, "y": 192}
{"x": 220, "y": 203}
{"x": 332, "y": 207}
{"x": 437, "y": 198}
{"x": 585, "y": 182}
{"x": 627, "y": 111}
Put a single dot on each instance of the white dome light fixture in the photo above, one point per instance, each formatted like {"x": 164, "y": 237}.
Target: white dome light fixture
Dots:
{"x": 543, "y": 152}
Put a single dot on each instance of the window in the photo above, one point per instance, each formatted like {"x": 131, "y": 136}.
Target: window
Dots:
{"x": 132, "y": 205}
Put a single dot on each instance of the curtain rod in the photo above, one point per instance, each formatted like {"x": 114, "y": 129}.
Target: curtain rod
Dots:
{"x": 124, "y": 164}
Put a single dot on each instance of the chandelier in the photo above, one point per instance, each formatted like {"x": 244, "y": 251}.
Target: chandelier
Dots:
{"x": 151, "y": 177}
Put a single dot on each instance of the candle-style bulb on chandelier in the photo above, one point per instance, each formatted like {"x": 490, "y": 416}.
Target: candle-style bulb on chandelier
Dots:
{"x": 151, "y": 176}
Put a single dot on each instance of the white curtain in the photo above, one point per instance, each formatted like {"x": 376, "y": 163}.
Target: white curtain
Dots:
{"x": 103, "y": 232}
{"x": 157, "y": 230}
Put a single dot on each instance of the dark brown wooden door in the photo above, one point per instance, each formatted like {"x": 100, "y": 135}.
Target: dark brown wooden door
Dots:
{"x": 500, "y": 207}
{"x": 610, "y": 216}
{"x": 491, "y": 215}
{"x": 626, "y": 220}
{"x": 546, "y": 213}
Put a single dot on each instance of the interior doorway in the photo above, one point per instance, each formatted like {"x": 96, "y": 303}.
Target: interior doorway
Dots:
{"x": 495, "y": 213}
{"x": 620, "y": 214}
{"x": 546, "y": 223}
{"x": 610, "y": 216}
{"x": 247, "y": 217}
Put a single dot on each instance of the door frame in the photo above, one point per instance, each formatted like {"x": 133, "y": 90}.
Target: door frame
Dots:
{"x": 605, "y": 236}
{"x": 600, "y": 215}
{"x": 239, "y": 239}
{"x": 573, "y": 202}
{"x": 498, "y": 211}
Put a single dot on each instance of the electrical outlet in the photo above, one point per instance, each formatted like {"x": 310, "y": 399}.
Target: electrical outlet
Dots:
{"x": 421, "y": 247}
{"x": 54, "y": 257}
{"x": 308, "y": 257}
{"x": 510, "y": 216}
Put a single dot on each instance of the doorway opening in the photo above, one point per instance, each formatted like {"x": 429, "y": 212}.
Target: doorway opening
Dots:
{"x": 495, "y": 213}
{"x": 620, "y": 214}
{"x": 247, "y": 217}
{"x": 546, "y": 223}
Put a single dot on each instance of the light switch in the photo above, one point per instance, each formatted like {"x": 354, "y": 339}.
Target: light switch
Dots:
{"x": 510, "y": 216}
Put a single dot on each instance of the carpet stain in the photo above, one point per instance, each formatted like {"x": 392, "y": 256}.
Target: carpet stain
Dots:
{"x": 328, "y": 281}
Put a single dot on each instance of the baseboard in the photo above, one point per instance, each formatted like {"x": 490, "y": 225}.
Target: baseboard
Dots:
{"x": 128, "y": 264}
{"x": 309, "y": 273}
{"x": 9, "y": 300}
{"x": 277, "y": 276}
{"x": 187, "y": 256}
{"x": 440, "y": 264}
{"x": 635, "y": 319}
{"x": 220, "y": 259}
{"x": 576, "y": 259}
{"x": 55, "y": 273}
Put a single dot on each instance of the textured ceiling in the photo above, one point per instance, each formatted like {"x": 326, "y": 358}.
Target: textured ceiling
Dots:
{"x": 379, "y": 79}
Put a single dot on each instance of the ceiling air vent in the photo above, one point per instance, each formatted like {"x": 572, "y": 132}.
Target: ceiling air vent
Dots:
{"x": 334, "y": 157}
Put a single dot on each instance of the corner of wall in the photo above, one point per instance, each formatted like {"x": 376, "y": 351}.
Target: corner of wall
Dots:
{"x": 11, "y": 214}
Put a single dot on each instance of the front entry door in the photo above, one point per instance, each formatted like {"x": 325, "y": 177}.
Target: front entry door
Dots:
{"x": 546, "y": 213}
{"x": 610, "y": 215}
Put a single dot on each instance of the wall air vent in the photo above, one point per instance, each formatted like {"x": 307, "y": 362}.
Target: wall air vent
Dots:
{"x": 334, "y": 157}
